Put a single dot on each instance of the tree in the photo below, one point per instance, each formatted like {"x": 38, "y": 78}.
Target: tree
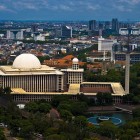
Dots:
{"x": 108, "y": 98}
{"x": 66, "y": 115}
{"x": 81, "y": 121}
{"x": 104, "y": 98}
{"x": 56, "y": 137}
{"x": 44, "y": 107}
{"x": 1, "y": 90}
{"x": 51, "y": 131}
{"x": 2, "y": 137}
{"x": 65, "y": 106}
{"x": 58, "y": 99}
{"x": 26, "y": 129}
{"x": 42, "y": 58}
{"x": 108, "y": 129}
{"x": 7, "y": 90}
{"x": 136, "y": 113}
{"x": 82, "y": 98}
{"x": 100, "y": 98}
{"x": 31, "y": 107}
{"x": 136, "y": 100}
{"x": 125, "y": 137}
{"x": 78, "y": 108}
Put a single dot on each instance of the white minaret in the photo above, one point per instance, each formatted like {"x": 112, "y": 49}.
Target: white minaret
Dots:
{"x": 75, "y": 64}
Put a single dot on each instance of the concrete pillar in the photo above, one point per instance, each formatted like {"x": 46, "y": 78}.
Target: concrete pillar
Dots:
{"x": 127, "y": 73}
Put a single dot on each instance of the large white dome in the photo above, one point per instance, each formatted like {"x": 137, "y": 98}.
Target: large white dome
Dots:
{"x": 26, "y": 61}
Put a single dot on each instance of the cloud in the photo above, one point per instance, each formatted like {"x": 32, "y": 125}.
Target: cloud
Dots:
{"x": 122, "y": 8}
{"x": 24, "y": 5}
{"x": 93, "y": 7}
{"x": 4, "y": 8}
{"x": 130, "y": 2}
{"x": 65, "y": 7}
{"x": 77, "y": 9}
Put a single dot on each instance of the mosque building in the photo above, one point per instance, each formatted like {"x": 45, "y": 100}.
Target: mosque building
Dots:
{"x": 29, "y": 81}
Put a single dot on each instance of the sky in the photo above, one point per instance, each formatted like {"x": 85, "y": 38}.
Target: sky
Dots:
{"x": 70, "y": 10}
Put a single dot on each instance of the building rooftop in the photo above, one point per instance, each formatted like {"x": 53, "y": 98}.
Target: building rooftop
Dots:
{"x": 8, "y": 70}
{"x": 74, "y": 88}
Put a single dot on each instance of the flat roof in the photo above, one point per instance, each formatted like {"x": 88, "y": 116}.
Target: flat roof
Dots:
{"x": 72, "y": 70}
{"x": 18, "y": 90}
{"x": 74, "y": 88}
{"x": 57, "y": 93}
{"x": 116, "y": 87}
{"x": 44, "y": 70}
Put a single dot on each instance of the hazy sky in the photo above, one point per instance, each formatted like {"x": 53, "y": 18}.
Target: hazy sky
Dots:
{"x": 69, "y": 9}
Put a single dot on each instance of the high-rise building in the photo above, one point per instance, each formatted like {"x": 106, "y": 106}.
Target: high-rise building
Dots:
{"x": 107, "y": 25}
{"x": 115, "y": 24}
{"x": 15, "y": 34}
{"x": 92, "y": 25}
{"x": 66, "y": 31}
{"x": 134, "y": 31}
{"x": 34, "y": 28}
{"x": 101, "y": 26}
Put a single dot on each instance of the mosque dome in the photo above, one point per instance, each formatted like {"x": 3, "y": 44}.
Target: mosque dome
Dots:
{"x": 75, "y": 60}
{"x": 26, "y": 61}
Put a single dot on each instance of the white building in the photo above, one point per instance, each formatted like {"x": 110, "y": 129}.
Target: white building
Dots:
{"x": 30, "y": 81}
{"x": 134, "y": 31}
{"x": 39, "y": 37}
{"x": 15, "y": 34}
{"x": 28, "y": 74}
{"x": 74, "y": 75}
{"x": 105, "y": 44}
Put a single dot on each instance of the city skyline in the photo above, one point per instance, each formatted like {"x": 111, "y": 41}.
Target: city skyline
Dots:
{"x": 69, "y": 10}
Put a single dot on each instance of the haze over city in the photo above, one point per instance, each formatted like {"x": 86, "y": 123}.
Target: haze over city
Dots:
{"x": 69, "y": 10}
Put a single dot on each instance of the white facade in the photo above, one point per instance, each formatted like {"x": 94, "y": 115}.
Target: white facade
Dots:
{"x": 15, "y": 34}
{"x": 133, "y": 46}
{"x": 39, "y": 37}
{"x": 74, "y": 74}
{"x": 124, "y": 31}
{"x": 30, "y": 82}
{"x": 105, "y": 44}
{"x": 28, "y": 74}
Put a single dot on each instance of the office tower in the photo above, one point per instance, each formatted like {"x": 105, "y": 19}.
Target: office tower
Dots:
{"x": 92, "y": 25}
{"x": 115, "y": 24}
{"x": 15, "y": 34}
{"x": 107, "y": 25}
{"x": 66, "y": 31}
{"x": 34, "y": 28}
{"x": 101, "y": 26}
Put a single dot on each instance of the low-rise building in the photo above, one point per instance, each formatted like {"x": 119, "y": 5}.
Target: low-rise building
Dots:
{"x": 30, "y": 81}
